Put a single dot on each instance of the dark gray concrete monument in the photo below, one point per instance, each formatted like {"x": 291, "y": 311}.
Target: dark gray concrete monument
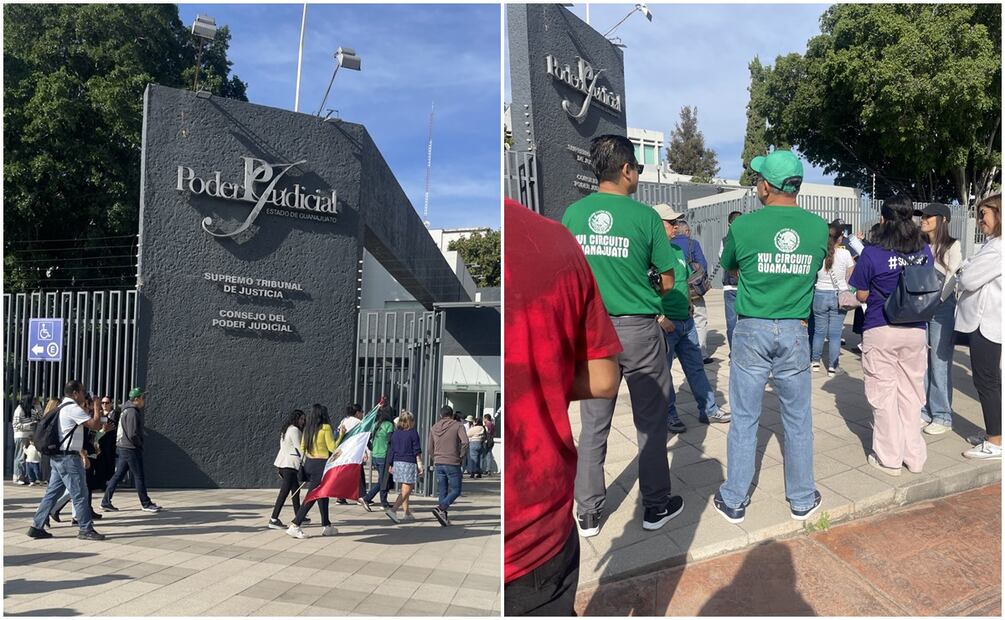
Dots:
{"x": 568, "y": 86}
{"x": 253, "y": 222}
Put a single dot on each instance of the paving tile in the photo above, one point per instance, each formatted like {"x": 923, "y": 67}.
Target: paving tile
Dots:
{"x": 862, "y": 489}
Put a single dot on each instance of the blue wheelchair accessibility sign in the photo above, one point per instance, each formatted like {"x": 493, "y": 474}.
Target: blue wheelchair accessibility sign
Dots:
{"x": 45, "y": 340}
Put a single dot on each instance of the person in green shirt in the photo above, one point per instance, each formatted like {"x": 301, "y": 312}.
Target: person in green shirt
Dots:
{"x": 382, "y": 430}
{"x": 677, "y": 321}
{"x": 778, "y": 251}
{"x": 622, "y": 240}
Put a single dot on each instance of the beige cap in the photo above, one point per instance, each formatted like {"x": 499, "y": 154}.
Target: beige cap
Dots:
{"x": 666, "y": 212}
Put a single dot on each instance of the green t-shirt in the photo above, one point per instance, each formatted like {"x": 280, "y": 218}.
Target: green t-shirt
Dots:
{"x": 621, "y": 239}
{"x": 676, "y": 304}
{"x": 779, "y": 251}
{"x": 381, "y": 437}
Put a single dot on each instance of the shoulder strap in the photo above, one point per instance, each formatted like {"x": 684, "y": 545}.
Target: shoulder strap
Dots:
{"x": 56, "y": 413}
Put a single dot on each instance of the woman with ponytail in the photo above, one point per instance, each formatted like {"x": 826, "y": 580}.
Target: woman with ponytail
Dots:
{"x": 828, "y": 317}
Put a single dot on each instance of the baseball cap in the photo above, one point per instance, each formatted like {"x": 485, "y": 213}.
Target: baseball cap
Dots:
{"x": 136, "y": 392}
{"x": 937, "y": 208}
{"x": 781, "y": 169}
{"x": 666, "y": 212}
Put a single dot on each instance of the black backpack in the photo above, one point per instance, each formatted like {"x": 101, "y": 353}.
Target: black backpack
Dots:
{"x": 918, "y": 293}
{"x": 46, "y": 438}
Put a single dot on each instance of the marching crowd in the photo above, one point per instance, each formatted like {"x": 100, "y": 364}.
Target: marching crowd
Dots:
{"x": 622, "y": 296}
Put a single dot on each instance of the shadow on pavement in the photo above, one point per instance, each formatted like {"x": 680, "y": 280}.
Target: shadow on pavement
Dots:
{"x": 31, "y": 558}
{"x": 25, "y": 586}
{"x": 54, "y": 611}
{"x": 764, "y": 586}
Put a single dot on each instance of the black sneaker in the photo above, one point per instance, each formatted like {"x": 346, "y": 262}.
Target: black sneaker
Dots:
{"x": 675, "y": 426}
{"x": 55, "y": 517}
{"x": 306, "y": 521}
{"x": 276, "y": 524}
{"x": 588, "y": 524}
{"x": 655, "y": 518}
{"x": 108, "y": 507}
{"x": 802, "y": 515}
{"x": 341, "y": 500}
{"x": 366, "y": 505}
{"x": 720, "y": 417}
{"x": 440, "y": 516}
{"x": 151, "y": 507}
{"x": 33, "y": 532}
{"x": 95, "y": 515}
{"x": 733, "y": 515}
{"x": 708, "y": 360}
{"x": 90, "y": 535}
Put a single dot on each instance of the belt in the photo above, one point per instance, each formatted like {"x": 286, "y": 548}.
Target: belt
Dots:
{"x": 66, "y": 453}
{"x": 632, "y": 316}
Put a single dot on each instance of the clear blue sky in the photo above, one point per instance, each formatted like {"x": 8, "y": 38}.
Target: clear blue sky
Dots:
{"x": 412, "y": 55}
{"x": 697, "y": 55}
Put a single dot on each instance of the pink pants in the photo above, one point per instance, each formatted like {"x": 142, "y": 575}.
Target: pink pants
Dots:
{"x": 894, "y": 360}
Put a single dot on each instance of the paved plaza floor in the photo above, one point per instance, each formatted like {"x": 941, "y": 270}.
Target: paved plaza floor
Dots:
{"x": 842, "y": 440}
{"x": 209, "y": 553}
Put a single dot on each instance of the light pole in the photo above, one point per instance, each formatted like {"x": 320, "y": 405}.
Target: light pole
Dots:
{"x": 300, "y": 58}
{"x": 203, "y": 29}
{"x": 344, "y": 57}
{"x": 638, "y": 7}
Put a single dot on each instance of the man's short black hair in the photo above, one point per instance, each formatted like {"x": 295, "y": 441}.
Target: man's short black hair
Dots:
{"x": 446, "y": 411}
{"x": 73, "y": 385}
{"x": 732, "y": 216}
{"x": 609, "y": 154}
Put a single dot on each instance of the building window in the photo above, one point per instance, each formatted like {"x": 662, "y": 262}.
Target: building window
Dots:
{"x": 650, "y": 153}
{"x": 638, "y": 153}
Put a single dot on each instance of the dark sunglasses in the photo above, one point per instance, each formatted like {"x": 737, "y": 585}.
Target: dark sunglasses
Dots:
{"x": 638, "y": 167}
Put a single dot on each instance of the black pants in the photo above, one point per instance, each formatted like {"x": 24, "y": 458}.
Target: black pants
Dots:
{"x": 132, "y": 460}
{"x": 549, "y": 589}
{"x": 985, "y": 361}
{"x": 290, "y": 483}
{"x": 314, "y": 468}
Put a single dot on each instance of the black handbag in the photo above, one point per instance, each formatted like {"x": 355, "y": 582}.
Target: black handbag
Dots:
{"x": 918, "y": 293}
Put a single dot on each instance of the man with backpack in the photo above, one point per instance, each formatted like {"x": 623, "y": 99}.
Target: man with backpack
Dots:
{"x": 697, "y": 283}
{"x": 129, "y": 453}
{"x": 60, "y": 436}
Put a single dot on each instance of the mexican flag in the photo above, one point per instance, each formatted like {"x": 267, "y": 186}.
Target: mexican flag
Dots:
{"x": 342, "y": 471}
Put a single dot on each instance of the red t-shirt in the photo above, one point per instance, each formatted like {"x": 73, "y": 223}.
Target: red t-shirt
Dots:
{"x": 554, "y": 317}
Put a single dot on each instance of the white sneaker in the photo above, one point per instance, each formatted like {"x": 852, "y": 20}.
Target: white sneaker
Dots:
{"x": 295, "y": 532}
{"x": 984, "y": 451}
{"x": 20, "y": 482}
{"x": 937, "y": 428}
{"x": 329, "y": 531}
{"x": 890, "y": 471}
{"x": 392, "y": 515}
{"x": 815, "y": 366}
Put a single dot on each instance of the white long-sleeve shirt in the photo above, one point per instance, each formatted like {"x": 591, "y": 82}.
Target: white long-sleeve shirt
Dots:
{"x": 980, "y": 283}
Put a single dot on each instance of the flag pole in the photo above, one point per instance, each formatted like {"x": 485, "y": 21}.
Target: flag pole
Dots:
{"x": 300, "y": 58}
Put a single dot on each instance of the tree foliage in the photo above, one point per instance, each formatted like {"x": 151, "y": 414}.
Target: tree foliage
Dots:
{"x": 686, "y": 153}
{"x": 910, "y": 92}
{"x": 755, "y": 142}
{"x": 480, "y": 254}
{"x": 73, "y": 109}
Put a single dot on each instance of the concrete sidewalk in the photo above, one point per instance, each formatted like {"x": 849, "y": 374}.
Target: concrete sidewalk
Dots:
{"x": 940, "y": 558}
{"x": 209, "y": 553}
{"x": 850, "y": 487}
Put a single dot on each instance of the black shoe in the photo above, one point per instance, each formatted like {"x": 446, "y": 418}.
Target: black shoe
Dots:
{"x": 341, "y": 501}
{"x": 33, "y": 532}
{"x": 478, "y": 476}
{"x": 708, "y": 360}
{"x": 676, "y": 427}
{"x": 90, "y": 535}
{"x": 366, "y": 505}
{"x": 276, "y": 524}
{"x": 441, "y": 516}
{"x": 55, "y": 517}
{"x": 108, "y": 507}
{"x": 733, "y": 515}
{"x": 655, "y": 518}
{"x": 305, "y": 521}
{"x": 802, "y": 515}
{"x": 151, "y": 507}
{"x": 74, "y": 522}
{"x": 588, "y": 524}
{"x": 95, "y": 515}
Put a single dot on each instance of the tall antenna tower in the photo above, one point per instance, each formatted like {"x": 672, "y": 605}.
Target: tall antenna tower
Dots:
{"x": 429, "y": 166}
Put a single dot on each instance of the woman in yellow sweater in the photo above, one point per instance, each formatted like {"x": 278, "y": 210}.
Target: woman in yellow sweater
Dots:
{"x": 317, "y": 444}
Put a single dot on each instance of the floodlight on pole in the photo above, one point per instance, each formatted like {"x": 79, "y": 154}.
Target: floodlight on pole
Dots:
{"x": 203, "y": 29}
{"x": 344, "y": 57}
{"x": 641, "y": 8}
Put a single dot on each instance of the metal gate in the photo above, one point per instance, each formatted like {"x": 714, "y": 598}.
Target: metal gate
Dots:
{"x": 99, "y": 347}
{"x": 520, "y": 179}
{"x": 398, "y": 355}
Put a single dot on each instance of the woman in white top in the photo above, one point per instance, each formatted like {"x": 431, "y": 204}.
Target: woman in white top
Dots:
{"x": 979, "y": 314}
{"x": 288, "y": 462}
{"x": 937, "y": 413}
{"x": 828, "y": 317}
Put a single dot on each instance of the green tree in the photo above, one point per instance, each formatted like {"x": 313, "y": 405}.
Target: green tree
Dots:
{"x": 910, "y": 93}
{"x": 687, "y": 153}
{"x": 754, "y": 143}
{"x": 480, "y": 254}
{"x": 73, "y": 110}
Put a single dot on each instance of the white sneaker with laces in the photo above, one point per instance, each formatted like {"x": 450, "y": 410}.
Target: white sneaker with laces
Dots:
{"x": 295, "y": 531}
{"x": 329, "y": 531}
{"x": 984, "y": 451}
{"x": 392, "y": 515}
{"x": 974, "y": 440}
{"x": 815, "y": 366}
{"x": 937, "y": 428}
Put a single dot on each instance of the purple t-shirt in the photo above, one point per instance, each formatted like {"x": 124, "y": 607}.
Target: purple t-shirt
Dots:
{"x": 878, "y": 271}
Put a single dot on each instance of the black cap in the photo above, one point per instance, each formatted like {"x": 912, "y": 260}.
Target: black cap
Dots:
{"x": 937, "y": 208}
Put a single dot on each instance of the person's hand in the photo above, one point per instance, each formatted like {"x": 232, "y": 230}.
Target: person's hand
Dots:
{"x": 390, "y": 469}
{"x": 87, "y": 462}
{"x": 861, "y": 235}
{"x": 666, "y": 324}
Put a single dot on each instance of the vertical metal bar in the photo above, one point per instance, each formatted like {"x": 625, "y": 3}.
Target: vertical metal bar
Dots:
{"x": 384, "y": 320}
{"x": 101, "y": 300}
{"x": 134, "y": 313}
{"x": 94, "y": 362}
{"x": 116, "y": 314}
{"x": 355, "y": 370}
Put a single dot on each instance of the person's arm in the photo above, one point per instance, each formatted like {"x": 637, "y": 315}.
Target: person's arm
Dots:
{"x": 596, "y": 378}
{"x": 417, "y": 450}
{"x": 94, "y": 423}
{"x": 982, "y": 268}
{"x": 329, "y": 438}
{"x": 861, "y": 276}
{"x": 465, "y": 442}
{"x": 855, "y": 243}
{"x": 728, "y": 257}
{"x": 666, "y": 282}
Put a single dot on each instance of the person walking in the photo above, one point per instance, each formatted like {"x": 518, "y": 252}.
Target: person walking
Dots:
{"x": 129, "y": 453}
{"x": 730, "y": 278}
{"x": 937, "y": 412}
{"x": 488, "y": 462}
{"x": 476, "y": 436}
{"x": 382, "y": 430}
{"x": 828, "y": 317}
{"x": 778, "y": 250}
{"x": 448, "y": 443}
{"x": 682, "y": 339}
{"x": 621, "y": 239}
{"x": 979, "y": 314}
{"x": 288, "y": 462}
{"x": 26, "y": 417}
{"x": 405, "y": 456}
{"x": 893, "y": 356}
{"x": 67, "y": 467}
{"x": 353, "y": 416}
{"x": 693, "y": 254}
{"x": 317, "y": 442}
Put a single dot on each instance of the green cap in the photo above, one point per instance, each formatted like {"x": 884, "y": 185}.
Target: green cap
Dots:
{"x": 781, "y": 169}
{"x": 135, "y": 393}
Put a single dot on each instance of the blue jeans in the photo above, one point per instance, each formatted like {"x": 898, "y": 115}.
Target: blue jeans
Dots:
{"x": 34, "y": 472}
{"x": 729, "y": 301}
{"x": 474, "y": 457}
{"x": 682, "y": 342}
{"x": 939, "y": 378}
{"x": 20, "y": 443}
{"x": 448, "y": 484}
{"x": 828, "y": 322}
{"x": 67, "y": 475}
{"x": 780, "y": 349}
{"x": 131, "y": 459}
{"x": 488, "y": 462}
{"x": 381, "y": 466}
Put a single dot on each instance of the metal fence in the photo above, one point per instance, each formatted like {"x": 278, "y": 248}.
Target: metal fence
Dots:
{"x": 399, "y": 355}
{"x": 99, "y": 346}
{"x": 520, "y": 179}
